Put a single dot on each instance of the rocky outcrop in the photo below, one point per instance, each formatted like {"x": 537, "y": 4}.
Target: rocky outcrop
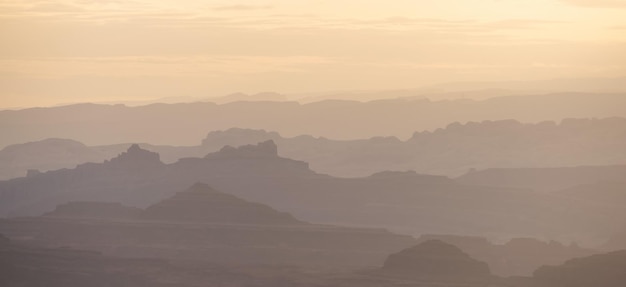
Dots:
{"x": 436, "y": 261}
{"x": 517, "y": 257}
{"x": 136, "y": 156}
{"x": 27, "y": 159}
{"x": 266, "y": 149}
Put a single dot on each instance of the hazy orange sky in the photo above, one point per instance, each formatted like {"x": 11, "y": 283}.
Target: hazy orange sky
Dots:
{"x": 107, "y": 50}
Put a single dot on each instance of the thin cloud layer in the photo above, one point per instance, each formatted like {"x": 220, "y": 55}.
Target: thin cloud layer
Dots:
{"x": 290, "y": 46}
{"x": 598, "y": 3}
{"x": 242, "y": 7}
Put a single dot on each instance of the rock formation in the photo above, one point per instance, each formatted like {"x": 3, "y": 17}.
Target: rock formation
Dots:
{"x": 517, "y": 257}
{"x": 201, "y": 203}
{"x": 261, "y": 150}
{"x": 436, "y": 261}
{"x": 602, "y": 270}
{"x": 136, "y": 156}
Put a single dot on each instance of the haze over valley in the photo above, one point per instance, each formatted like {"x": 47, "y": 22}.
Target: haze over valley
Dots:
{"x": 346, "y": 143}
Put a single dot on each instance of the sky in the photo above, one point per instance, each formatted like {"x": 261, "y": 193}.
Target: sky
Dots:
{"x": 56, "y": 52}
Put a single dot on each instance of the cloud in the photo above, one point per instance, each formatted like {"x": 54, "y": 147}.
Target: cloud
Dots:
{"x": 598, "y": 3}
{"x": 77, "y": 10}
{"x": 150, "y": 14}
{"x": 53, "y": 8}
{"x": 157, "y": 66}
{"x": 521, "y": 24}
{"x": 243, "y": 7}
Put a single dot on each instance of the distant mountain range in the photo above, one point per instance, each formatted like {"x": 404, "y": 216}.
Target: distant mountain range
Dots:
{"x": 184, "y": 124}
{"x": 450, "y": 151}
{"x": 431, "y": 263}
{"x": 439, "y": 262}
{"x": 401, "y": 201}
{"x": 199, "y": 203}
{"x": 201, "y": 223}
{"x": 436, "y": 261}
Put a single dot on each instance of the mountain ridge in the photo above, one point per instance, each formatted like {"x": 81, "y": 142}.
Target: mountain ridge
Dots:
{"x": 163, "y": 123}
{"x": 405, "y": 202}
{"x": 451, "y": 151}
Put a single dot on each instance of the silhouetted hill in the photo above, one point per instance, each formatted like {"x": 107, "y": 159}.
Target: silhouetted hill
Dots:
{"x": 601, "y": 270}
{"x": 517, "y": 257}
{"x": 201, "y": 203}
{"x": 266, "y": 149}
{"x": 44, "y": 155}
{"x": 198, "y": 203}
{"x": 436, "y": 261}
{"x": 237, "y": 137}
{"x": 486, "y": 146}
{"x": 136, "y": 157}
{"x": 116, "y": 179}
{"x": 511, "y": 144}
{"x": 65, "y": 185}
{"x": 51, "y": 154}
{"x": 27, "y": 265}
{"x": 183, "y": 124}
{"x": 201, "y": 223}
{"x": 400, "y": 201}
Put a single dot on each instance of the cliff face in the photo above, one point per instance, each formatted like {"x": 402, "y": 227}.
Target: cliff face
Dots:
{"x": 436, "y": 261}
